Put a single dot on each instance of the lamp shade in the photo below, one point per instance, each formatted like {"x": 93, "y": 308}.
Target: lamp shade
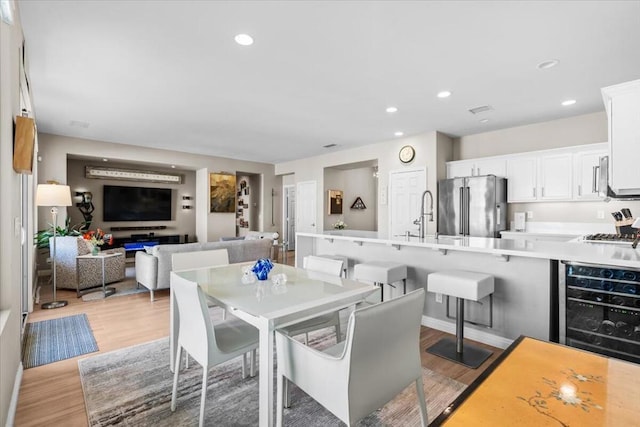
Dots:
{"x": 53, "y": 195}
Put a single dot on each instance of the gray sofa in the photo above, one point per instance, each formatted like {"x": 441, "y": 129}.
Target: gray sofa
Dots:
{"x": 153, "y": 268}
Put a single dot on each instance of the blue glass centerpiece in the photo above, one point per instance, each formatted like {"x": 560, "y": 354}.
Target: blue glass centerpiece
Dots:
{"x": 262, "y": 267}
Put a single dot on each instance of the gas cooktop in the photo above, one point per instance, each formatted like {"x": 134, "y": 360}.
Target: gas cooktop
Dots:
{"x": 609, "y": 238}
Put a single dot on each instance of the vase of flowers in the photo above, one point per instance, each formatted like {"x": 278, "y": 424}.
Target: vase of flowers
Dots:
{"x": 340, "y": 225}
{"x": 97, "y": 238}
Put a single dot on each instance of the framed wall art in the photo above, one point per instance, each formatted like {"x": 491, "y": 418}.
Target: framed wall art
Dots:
{"x": 335, "y": 202}
{"x": 222, "y": 192}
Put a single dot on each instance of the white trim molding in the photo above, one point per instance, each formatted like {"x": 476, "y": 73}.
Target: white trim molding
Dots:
{"x": 97, "y": 172}
{"x": 13, "y": 405}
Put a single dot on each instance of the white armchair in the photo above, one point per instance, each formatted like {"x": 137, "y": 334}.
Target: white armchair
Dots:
{"x": 379, "y": 358}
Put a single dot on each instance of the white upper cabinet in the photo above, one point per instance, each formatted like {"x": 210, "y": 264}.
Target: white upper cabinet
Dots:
{"x": 522, "y": 178}
{"x": 562, "y": 174}
{"x": 476, "y": 167}
{"x": 492, "y": 166}
{"x": 622, "y": 103}
{"x": 555, "y": 176}
{"x": 586, "y": 167}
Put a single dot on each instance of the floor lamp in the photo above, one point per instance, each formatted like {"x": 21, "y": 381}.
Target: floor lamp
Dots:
{"x": 53, "y": 195}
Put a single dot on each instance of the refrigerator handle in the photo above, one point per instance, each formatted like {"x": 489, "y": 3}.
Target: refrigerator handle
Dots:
{"x": 462, "y": 211}
{"x": 466, "y": 211}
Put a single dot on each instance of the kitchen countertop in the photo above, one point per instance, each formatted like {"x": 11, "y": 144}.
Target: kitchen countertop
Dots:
{"x": 595, "y": 253}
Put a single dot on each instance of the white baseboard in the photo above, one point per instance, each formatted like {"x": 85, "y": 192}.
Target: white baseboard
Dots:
{"x": 13, "y": 405}
{"x": 472, "y": 334}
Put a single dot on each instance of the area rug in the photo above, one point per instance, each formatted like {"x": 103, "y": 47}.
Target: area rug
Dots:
{"x": 49, "y": 341}
{"x": 132, "y": 387}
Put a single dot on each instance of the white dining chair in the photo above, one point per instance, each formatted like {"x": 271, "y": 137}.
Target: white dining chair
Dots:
{"x": 181, "y": 261}
{"x": 199, "y": 259}
{"x": 378, "y": 359}
{"x": 332, "y": 268}
{"x": 207, "y": 343}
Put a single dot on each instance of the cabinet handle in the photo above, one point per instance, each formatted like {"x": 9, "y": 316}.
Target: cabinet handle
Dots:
{"x": 542, "y": 191}
{"x": 478, "y": 171}
{"x": 579, "y": 190}
{"x": 534, "y": 192}
{"x": 594, "y": 182}
{"x": 472, "y": 171}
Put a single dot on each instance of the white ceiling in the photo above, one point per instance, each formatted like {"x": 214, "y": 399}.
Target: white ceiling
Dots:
{"x": 168, "y": 74}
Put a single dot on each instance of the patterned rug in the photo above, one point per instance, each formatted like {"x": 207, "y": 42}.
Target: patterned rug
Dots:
{"x": 49, "y": 341}
{"x": 132, "y": 387}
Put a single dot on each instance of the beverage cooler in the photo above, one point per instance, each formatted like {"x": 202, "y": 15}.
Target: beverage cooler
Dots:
{"x": 601, "y": 310}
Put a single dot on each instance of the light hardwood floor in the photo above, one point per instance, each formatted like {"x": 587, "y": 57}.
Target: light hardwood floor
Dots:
{"x": 51, "y": 395}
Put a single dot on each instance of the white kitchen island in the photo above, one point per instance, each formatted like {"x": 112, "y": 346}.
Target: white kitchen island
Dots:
{"x": 527, "y": 278}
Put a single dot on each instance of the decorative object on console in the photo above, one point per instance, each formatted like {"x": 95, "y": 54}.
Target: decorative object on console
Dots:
{"x": 222, "y": 192}
{"x": 340, "y": 225}
{"x": 97, "y": 172}
{"x": 54, "y": 195}
{"x": 358, "y": 204}
{"x": 335, "y": 202}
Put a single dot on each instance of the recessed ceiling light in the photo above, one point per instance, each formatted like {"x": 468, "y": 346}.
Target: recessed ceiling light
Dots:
{"x": 392, "y": 109}
{"x": 484, "y": 120}
{"x": 550, "y": 63}
{"x": 173, "y": 166}
{"x": 568, "y": 102}
{"x": 244, "y": 39}
{"x": 444, "y": 94}
{"x": 105, "y": 160}
{"x": 399, "y": 133}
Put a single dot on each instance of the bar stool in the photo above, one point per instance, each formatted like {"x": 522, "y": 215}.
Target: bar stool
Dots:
{"x": 382, "y": 273}
{"x": 344, "y": 259}
{"x": 464, "y": 285}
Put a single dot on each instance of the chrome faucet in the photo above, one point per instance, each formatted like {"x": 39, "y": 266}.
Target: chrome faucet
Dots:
{"x": 420, "y": 221}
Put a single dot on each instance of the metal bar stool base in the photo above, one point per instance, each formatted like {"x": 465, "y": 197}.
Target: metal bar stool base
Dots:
{"x": 471, "y": 356}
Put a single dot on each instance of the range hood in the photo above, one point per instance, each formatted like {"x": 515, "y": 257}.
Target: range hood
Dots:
{"x": 604, "y": 190}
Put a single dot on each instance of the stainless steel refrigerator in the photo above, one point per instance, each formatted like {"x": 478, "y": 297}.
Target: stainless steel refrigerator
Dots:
{"x": 472, "y": 206}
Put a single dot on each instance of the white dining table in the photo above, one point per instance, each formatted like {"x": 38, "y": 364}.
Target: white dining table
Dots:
{"x": 268, "y": 306}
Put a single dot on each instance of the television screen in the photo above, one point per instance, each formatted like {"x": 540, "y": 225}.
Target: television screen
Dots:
{"x": 136, "y": 203}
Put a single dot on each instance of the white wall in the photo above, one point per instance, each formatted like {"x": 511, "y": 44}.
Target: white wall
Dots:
{"x": 182, "y": 222}
{"x": 54, "y": 150}
{"x": 10, "y": 248}
{"x": 358, "y": 182}
{"x": 431, "y": 148}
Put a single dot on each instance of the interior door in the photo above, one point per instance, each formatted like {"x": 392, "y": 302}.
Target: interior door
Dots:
{"x": 289, "y": 219}
{"x": 405, "y": 192}
{"x": 306, "y": 212}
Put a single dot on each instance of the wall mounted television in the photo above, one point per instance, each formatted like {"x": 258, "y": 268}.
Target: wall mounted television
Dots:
{"x": 136, "y": 203}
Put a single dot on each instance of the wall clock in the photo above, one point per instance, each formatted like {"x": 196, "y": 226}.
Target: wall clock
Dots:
{"x": 407, "y": 153}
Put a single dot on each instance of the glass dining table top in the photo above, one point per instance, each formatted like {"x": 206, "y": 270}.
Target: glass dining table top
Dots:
{"x": 264, "y": 298}
{"x": 537, "y": 383}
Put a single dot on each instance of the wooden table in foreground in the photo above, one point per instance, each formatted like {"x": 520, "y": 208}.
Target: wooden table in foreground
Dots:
{"x": 537, "y": 383}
